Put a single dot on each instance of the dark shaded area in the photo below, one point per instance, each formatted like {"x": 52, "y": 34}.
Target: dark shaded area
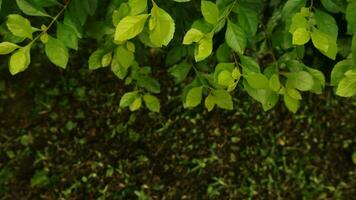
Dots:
{"x": 64, "y": 136}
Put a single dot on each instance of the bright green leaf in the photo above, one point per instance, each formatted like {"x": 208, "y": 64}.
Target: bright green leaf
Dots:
{"x": 193, "y": 35}
{"x": 257, "y": 81}
{"x": 162, "y": 32}
{"x": 7, "y": 47}
{"x": 210, "y": 11}
{"x": 19, "y": 26}
{"x": 235, "y": 37}
{"x": 57, "y": 52}
{"x": 137, "y": 6}
{"x": 300, "y": 80}
{"x": 129, "y": 27}
{"x": 151, "y": 102}
{"x": 20, "y": 60}
{"x": 194, "y": 97}
{"x": 301, "y": 36}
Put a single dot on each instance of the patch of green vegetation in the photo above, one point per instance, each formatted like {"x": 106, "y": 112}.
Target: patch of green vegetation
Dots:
{"x": 65, "y": 137}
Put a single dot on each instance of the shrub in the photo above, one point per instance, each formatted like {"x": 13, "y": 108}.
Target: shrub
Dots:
{"x": 270, "y": 49}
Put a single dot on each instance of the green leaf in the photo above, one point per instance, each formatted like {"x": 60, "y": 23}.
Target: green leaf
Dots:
{"x": 128, "y": 98}
{"x": 249, "y": 65}
{"x": 295, "y": 94}
{"x": 205, "y": 48}
{"x": 67, "y": 35}
{"x": 339, "y": 70}
{"x": 324, "y": 43}
{"x": 137, "y": 6}
{"x": 7, "y": 47}
{"x": 209, "y": 102}
{"x": 210, "y": 11}
{"x": 106, "y": 60}
{"x": 298, "y": 21}
{"x": 248, "y": 20}
{"x": 162, "y": 27}
{"x": 301, "y": 36}
{"x": 291, "y": 103}
{"x": 95, "y": 59}
{"x": 300, "y": 80}
{"x": 124, "y": 56}
{"x": 223, "y": 99}
{"x": 351, "y": 17}
{"x": 274, "y": 83}
{"x": 333, "y": 6}
{"x": 30, "y": 9}
{"x": 57, "y": 52}
{"x": 225, "y": 78}
{"x": 291, "y": 7}
{"x": 235, "y": 37}
{"x": 150, "y": 84}
{"x": 180, "y": 71}
{"x": 151, "y": 102}
{"x": 136, "y": 104}
{"x": 20, "y": 60}
{"x": 129, "y": 27}
{"x": 326, "y": 24}
{"x": 19, "y": 26}
{"x": 347, "y": 85}
{"x": 118, "y": 70}
{"x": 194, "y": 97}
{"x": 257, "y": 81}
{"x": 193, "y": 35}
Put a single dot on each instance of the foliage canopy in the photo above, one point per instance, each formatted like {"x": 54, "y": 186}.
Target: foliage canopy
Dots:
{"x": 270, "y": 49}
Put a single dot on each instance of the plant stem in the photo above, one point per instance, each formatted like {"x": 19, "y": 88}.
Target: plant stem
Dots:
{"x": 52, "y": 22}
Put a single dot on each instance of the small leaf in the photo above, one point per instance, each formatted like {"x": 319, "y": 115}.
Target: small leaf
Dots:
{"x": 225, "y": 78}
{"x": 205, "y": 48}
{"x": 20, "y": 60}
{"x": 291, "y": 103}
{"x": 301, "y": 36}
{"x": 235, "y": 37}
{"x": 67, "y": 35}
{"x": 300, "y": 80}
{"x": 180, "y": 71}
{"x": 7, "y": 47}
{"x": 136, "y": 104}
{"x": 209, "y": 102}
{"x": 223, "y": 99}
{"x": 151, "y": 102}
{"x": 30, "y": 9}
{"x": 257, "y": 81}
{"x": 274, "y": 83}
{"x": 194, "y": 97}
{"x": 124, "y": 56}
{"x": 106, "y": 60}
{"x": 347, "y": 85}
{"x": 57, "y": 52}
{"x": 210, "y": 11}
{"x": 129, "y": 27}
{"x": 19, "y": 26}
{"x": 164, "y": 27}
{"x": 137, "y": 6}
{"x": 95, "y": 59}
{"x": 128, "y": 98}
{"x": 193, "y": 35}
{"x": 339, "y": 70}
